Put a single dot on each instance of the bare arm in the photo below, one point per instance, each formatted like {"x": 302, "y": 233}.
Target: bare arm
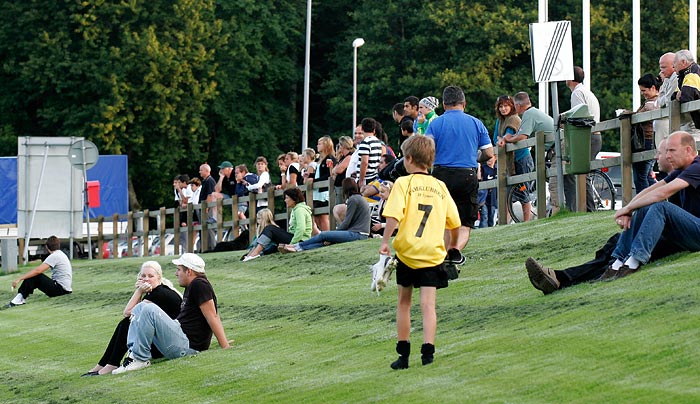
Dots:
{"x": 656, "y": 193}
{"x": 364, "y": 163}
{"x": 141, "y": 288}
{"x": 219, "y": 185}
{"x": 34, "y": 272}
{"x": 214, "y": 321}
{"x": 391, "y": 225}
{"x": 514, "y": 138}
{"x": 342, "y": 166}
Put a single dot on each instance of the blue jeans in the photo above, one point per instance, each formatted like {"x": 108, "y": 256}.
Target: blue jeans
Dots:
{"x": 151, "y": 325}
{"x": 333, "y": 237}
{"x": 659, "y": 221}
{"x": 641, "y": 170}
{"x": 524, "y": 166}
{"x": 487, "y": 216}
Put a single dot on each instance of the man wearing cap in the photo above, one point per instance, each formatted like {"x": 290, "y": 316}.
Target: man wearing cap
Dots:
{"x": 426, "y": 113}
{"x": 226, "y": 185}
{"x": 190, "y": 333}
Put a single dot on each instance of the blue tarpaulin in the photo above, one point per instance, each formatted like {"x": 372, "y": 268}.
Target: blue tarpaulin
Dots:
{"x": 111, "y": 171}
{"x": 8, "y": 192}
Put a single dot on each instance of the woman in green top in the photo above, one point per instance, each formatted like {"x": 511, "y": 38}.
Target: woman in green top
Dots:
{"x": 299, "y": 225}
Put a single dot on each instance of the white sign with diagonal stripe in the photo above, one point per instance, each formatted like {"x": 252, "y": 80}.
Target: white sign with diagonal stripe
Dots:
{"x": 552, "y": 53}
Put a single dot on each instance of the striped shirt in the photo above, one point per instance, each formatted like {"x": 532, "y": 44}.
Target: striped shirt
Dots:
{"x": 372, "y": 147}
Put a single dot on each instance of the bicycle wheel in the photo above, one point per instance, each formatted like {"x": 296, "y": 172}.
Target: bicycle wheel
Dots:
{"x": 603, "y": 190}
{"x": 515, "y": 207}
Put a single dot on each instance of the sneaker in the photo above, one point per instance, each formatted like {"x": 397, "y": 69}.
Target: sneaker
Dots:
{"x": 250, "y": 257}
{"x": 388, "y": 269}
{"x": 542, "y": 278}
{"x": 131, "y": 364}
{"x": 378, "y": 273}
{"x": 8, "y": 305}
{"x": 211, "y": 220}
{"x": 455, "y": 256}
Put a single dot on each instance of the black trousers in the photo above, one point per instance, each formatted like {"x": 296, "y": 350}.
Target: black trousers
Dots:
{"x": 116, "y": 349}
{"x": 594, "y": 268}
{"x": 277, "y": 235}
{"x": 42, "y": 282}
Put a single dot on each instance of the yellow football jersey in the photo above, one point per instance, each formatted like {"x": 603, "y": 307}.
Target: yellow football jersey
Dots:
{"x": 424, "y": 209}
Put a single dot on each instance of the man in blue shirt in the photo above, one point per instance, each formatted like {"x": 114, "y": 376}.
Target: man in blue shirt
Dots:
{"x": 458, "y": 139}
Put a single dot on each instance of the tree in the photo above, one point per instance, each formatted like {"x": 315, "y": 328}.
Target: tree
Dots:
{"x": 135, "y": 78}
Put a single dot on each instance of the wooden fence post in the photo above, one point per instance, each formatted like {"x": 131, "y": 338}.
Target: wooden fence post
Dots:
{"x": 626, "y": 154}
{"x": 502, "y": 186}
{"x": 115, "y": 233}
{"x": 100, "y": 236}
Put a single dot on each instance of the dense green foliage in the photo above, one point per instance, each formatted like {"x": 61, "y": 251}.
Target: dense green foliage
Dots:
{"x": 308, "y": 330}
{"x": 176, "y": 83}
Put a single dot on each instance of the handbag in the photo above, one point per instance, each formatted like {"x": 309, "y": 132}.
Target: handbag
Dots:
{"x": 637, "y": 138}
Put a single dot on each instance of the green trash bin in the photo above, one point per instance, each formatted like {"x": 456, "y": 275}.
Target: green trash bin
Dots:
{"x": 577, "y": 135}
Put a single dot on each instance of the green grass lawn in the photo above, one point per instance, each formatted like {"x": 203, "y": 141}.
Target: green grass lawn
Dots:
{"x": 308, "y": 329}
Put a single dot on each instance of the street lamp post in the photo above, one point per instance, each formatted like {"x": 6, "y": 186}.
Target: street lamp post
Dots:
{"x": 355, "y": 44}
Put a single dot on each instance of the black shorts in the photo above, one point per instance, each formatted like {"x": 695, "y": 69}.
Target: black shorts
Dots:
{"x": 320, "y": 204}
{"x": 431, "y": 276}
{"x": 464, "y": 189}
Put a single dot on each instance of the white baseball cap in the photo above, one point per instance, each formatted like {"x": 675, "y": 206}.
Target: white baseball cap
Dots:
{"x": 191, "y": 261}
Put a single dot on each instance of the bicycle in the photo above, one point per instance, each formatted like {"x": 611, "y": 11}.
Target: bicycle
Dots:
{"x": 603, "y": 194}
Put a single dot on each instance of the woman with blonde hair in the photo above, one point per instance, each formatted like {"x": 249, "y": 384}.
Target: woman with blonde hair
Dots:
{"x": 346, "y": 148}
{"x": 300, "y": 224}
{"x": 325, "y": 164}
{"x": 150, "y": 286}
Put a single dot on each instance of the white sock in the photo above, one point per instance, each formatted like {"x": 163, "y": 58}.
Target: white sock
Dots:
{"x": 632, "y": 263}
{"x": 19, "y": 299}
{"x": 617, "y": 264}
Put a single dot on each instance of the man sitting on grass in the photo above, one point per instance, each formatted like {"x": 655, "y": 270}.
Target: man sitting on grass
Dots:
{"x": 188, "y": 334}
{"x": 651, "y": 224}
{"x": 61, "y": 275}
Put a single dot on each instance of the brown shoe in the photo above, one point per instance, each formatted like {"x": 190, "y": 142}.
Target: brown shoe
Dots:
{"x": 610, "y": 274}
{"x": 624, "y": 271}
{"x": 542, "y": 278}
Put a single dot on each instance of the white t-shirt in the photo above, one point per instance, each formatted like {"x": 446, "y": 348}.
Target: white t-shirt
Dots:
{"x": 61, "y": 269}
{"x": 353, "y": 170}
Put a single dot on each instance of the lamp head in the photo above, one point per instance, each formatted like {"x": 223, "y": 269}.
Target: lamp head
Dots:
{"x": 358, "y": 42}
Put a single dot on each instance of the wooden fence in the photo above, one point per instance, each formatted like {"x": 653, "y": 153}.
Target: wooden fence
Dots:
{"x": 138, "y": 223}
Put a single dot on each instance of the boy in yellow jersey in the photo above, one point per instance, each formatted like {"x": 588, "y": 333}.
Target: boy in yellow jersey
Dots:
{"x": 423, "y": 207}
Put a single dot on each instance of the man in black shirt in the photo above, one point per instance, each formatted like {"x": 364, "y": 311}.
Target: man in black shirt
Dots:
{"x": 192, "y": 330}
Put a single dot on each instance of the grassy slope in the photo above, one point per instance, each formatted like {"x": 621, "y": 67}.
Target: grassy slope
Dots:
{"x": 308, "y": 329}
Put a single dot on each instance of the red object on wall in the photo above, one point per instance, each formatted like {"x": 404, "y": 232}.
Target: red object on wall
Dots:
{"x": 93, "y": 194}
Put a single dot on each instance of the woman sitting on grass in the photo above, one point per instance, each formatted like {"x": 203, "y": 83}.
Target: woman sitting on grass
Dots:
{"x": 300, "y": 225}
{"x": 355, "y": 225}
{"x": 150, "y": 286}
{"x": 263, "y": 218}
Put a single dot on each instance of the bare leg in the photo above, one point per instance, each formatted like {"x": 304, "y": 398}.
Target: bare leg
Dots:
{"x": 255, "y": 251}
{"x": 427, "y": 306}
{"x": 107, "y": 369}
{"x": 403, "y": 313}
{"x": 460, "y": 241}
{"x": 323, "y": 222}
{"x": 527, "y": 211}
